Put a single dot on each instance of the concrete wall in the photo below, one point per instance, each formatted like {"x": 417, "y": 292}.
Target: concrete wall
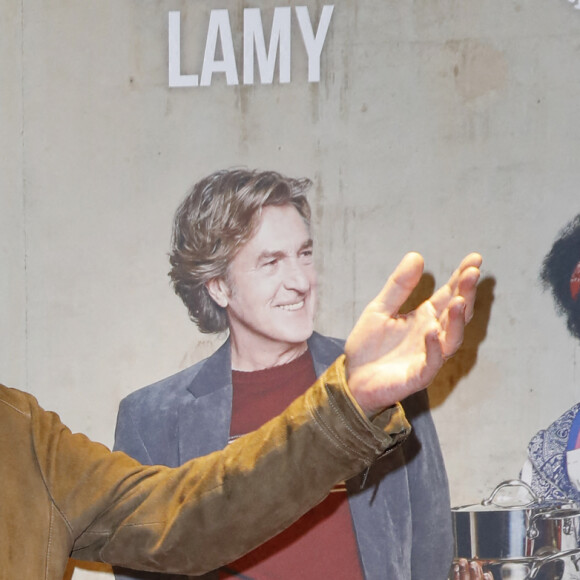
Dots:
{"x": 439, "y": 126}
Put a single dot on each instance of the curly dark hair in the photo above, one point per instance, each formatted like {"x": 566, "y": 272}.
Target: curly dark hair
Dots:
{"x": 556, "y": 273}
{"x": 218, "y": 216}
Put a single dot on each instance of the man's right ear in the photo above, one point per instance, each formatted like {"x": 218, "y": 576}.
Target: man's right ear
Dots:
{"x": 219, "y": 291}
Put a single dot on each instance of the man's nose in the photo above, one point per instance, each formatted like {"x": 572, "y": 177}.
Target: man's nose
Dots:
{"x": 297, "y": 277}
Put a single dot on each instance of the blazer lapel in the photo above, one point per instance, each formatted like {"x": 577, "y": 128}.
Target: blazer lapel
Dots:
{"x": 324, "y": 351}
{"x": 208, "y": 411}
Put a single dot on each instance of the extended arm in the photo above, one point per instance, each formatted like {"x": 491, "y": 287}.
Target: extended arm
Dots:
{"x": 213, "y": 509}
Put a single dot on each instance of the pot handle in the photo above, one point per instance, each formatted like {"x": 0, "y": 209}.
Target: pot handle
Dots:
{"x": 540, "y": 561}
{"x": 559, "y": 513}
{"x": 512, "y": 483}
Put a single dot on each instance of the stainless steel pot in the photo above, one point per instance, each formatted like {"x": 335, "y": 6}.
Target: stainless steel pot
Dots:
{"x": 533, "y": 534}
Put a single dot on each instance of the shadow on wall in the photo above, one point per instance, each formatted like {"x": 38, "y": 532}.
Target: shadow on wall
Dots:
{"x": 465, "y": 358}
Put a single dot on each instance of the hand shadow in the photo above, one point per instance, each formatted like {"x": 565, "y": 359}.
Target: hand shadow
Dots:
{"x": 475, "y": 332}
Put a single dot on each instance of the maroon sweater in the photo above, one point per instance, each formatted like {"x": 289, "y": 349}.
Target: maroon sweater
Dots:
{"x": 322, "y": 543}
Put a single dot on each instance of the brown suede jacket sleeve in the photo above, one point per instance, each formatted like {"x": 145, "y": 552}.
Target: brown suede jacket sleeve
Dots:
{"x": 212, "y": 509}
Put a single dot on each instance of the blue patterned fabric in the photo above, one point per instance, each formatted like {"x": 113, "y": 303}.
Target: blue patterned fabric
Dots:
{"x": 547, "y": 454}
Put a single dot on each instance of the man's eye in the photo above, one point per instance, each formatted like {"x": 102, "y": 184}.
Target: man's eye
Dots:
{"x": 307, "y": 253}
{"x": 270, "y": 263}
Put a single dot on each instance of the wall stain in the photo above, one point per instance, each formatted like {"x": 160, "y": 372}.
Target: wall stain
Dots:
{"x": 479, "y": 68}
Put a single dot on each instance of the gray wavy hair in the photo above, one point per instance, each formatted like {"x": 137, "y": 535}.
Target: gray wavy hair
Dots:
{"x": 217, "y": 217}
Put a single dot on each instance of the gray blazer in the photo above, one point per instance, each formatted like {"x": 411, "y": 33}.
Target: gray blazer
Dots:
{"x": 400, "y": 508}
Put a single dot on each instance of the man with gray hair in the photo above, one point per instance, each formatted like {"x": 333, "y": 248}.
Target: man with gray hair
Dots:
{"x": 242, "y": 261}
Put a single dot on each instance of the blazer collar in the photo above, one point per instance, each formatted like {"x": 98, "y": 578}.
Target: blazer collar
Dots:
{"x": 214, "y": 373}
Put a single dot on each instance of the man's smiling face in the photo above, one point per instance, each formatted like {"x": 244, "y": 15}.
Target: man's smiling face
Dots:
{"x": 270, "y": 290}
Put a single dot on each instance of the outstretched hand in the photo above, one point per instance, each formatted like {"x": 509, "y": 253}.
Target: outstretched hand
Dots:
{"x": 389, "y": 356}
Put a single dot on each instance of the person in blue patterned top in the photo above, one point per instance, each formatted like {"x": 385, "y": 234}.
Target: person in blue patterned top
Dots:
{"x": 553, "y": 465}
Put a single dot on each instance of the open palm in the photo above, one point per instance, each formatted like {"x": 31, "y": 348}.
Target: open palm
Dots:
{"x": 390, "y": 356}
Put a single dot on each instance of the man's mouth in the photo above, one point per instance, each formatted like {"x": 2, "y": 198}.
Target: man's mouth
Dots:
{"x": 291, "y": 307}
